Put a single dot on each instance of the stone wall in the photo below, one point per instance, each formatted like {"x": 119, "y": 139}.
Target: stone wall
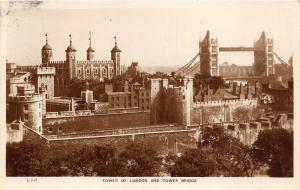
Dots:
{"x": 218, "y": 111}
{"x": 77, "y": 123}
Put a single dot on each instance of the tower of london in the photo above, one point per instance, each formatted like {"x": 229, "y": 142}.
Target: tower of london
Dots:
{"x": 71, "y": 67}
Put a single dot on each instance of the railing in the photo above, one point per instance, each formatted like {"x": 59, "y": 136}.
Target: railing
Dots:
{"x": 126, "y": 131}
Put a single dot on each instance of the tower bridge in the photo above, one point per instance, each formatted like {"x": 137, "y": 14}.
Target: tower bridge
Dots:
{"x": 206, "y": 61}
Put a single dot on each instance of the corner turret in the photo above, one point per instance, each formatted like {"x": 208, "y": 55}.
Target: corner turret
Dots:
{"x": 115, "y": 56}
{"x": 46, "y": 52}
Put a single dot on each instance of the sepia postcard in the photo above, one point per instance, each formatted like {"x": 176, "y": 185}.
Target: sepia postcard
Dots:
{"x": 152, "y": 94}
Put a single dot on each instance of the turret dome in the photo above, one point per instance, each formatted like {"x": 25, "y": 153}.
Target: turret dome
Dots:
{"x": 46, "y": 47}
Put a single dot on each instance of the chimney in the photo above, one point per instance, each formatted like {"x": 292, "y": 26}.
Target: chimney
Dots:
{"x": 234, "y": 88}
{"x": 126, "y": 87}
{"x": 248, "y": 94}
{"x": 242, "y": 93}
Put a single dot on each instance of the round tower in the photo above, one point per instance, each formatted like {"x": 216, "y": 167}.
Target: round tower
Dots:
{"x": 115, "y": 57}
{"x": 90, "y": 51}
{"x": 70, "y": 58}
{"x": 42, "y": 91}
{"x": 26, "y": 107}
{"x": 46, "y": 53}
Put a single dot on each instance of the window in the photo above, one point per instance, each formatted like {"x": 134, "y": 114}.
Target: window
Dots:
{"x": 96, "y": 71}
{"x": 88, "y": 71}
{"x": 26, "y": 117}
{"x": 40, "y": 114}
{"x": 50, "y": 129}
{"x": 59, "y": 129}
{"x": 25, "y": 107}
{"x": 40, "y": 105}
{"x": 79, "y": 71}
{"x": 47, "y": 96}
{"x": 46, "y": 87}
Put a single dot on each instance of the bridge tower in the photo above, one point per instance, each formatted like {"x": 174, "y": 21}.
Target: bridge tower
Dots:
{"x": 208, "y": 53}
{"x": 264, "y": 64}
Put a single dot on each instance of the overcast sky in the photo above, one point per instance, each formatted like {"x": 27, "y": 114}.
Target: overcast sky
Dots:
{"x": 152, "y": 34}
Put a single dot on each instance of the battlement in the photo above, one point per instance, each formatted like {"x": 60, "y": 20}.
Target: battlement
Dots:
{"x": 225, "y": 102}
{"x": 45, "y": 71}
{"x": 27, "y": 98}
{"x": 57, "y": 62}
{"x": 95, "y": 62}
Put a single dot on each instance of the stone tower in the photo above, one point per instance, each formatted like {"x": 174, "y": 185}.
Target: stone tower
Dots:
{"x": 208, "y": 53}
{"x": 158, "y": 88}
{"x": 90, "y": 51}
{"x": 263, "y": 56}
{"x": 26, "y": 106}
{"x": 44, "y": 76}
{"x": 70, "y": 59}
{"x": 46, "y": 53}
{"x": 115, "y": 56}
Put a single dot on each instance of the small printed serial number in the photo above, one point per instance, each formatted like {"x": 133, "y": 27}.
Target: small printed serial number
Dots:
{"x": 31, "y": 180}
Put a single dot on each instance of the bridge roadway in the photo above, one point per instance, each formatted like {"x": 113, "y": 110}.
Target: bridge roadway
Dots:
{"x": 241, "y": 48}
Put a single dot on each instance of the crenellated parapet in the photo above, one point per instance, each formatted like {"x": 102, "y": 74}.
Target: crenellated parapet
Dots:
{"x": 57, "y": 62}
{"x": 27, "y": 98}
{"x": 45, "y": 71}
{"x": 226, "y": 103}
{"x": 95, "y": 62}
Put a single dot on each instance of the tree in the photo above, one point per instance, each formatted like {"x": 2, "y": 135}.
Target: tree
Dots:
{"x": 218, "y": 154}
{"x": 31, "y": 159}
{"x": 275, "y": 148}
{"x": 195, "y": 163}
{"x": 106, "y": 163}
{"x": 139, "y": 161}
{"x": 233, "y": 157}
{"x": 118, "y": 83}
{"x": 76, "y": 85}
